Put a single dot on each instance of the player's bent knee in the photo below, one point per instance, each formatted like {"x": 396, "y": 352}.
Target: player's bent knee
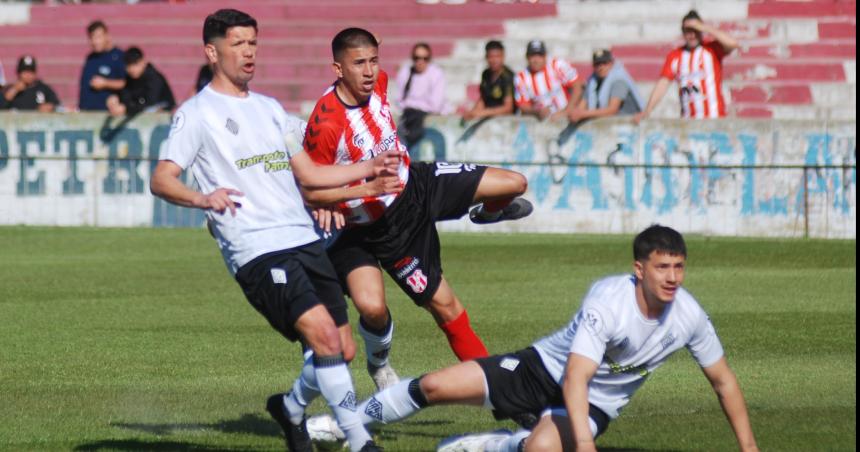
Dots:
{"x": 519, "y": 183}
{"x": 325, "y": 341}
{"x": 432, "y": 386}
{"x": 542, "y": 441}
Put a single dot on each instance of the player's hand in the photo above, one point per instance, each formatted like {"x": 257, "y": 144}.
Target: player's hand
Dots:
{"x": 695, "y": 24}
{"x": 98, "y": 82}
{"x": 638, "y": 117}
{"x": 576, "y": 114}
{"x": 327, "y": 217}
{"x": 386, "y": 164}
{"x": 220, "y": 201}
{"x": 383, "y": 185}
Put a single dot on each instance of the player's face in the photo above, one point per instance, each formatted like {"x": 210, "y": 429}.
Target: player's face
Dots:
{"x": 691, "y": 36}
{"x": 235, "y": 54}
{"x": 495, "y": 60}
{"x": 358, "y": 70}
{"x": 100, "y": 40}
{"x": 661, "y": 275}
{"x": 536, "y": 62}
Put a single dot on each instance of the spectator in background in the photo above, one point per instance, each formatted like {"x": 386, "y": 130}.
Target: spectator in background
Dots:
{"x": 145, "y": 89}
{"x": 497, "y": 86}
{"x": 697, "y": 66}
{"x": 610, "y": 91}
{"x": 204, "y": 76}
{"x": 546, "y": 86}
{"x": 421, "y": 88}
{"x": 2, "y": 76}
{"x": 28, "y": 92}
{"x": 104, "y": 70}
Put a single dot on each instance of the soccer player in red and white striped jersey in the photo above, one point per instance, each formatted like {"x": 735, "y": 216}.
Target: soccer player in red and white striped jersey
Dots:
{"x": 352, "y": 123}
{"x": 697, "y": 66}
{"x": 548, "y": 85}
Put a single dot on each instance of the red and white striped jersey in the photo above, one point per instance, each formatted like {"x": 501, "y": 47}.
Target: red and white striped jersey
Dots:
{"x": 341, "y": 134}
{"x": 699, "y": 73}
{"x": 549, "y": 87}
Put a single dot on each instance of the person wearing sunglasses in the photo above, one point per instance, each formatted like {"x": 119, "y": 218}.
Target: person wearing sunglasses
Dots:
{"x": 421, "y": 92}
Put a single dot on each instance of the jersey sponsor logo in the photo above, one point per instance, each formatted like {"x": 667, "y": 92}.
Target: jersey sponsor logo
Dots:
{"x": 232, "y": 126}
{"x": 616, "y": 368}
{"x": 279, "y": 275}
{"x": 417, "y": 281}
{"x": 667, "y": 341}
{"x": 405, "y": 266}
{"x": 384, "y": 144}
{"x": 509, "y": 364}
{"x": 593, "y": 321}
{"x": 358, "y": 140}
{"x": 273, "y": 161}
{"x": 453, "y": 168}
{"x": 348, "y": 402}
{"x": 374, "y": 409}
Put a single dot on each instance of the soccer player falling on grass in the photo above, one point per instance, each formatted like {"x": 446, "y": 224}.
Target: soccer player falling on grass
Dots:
{"x": 352, "y": 123}
{"x": 236, "y": 143}
{"x": 578, "y": 379}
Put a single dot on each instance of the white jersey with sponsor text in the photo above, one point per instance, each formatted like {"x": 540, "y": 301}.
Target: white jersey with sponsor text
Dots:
{"x": 242, "y": 143}
{"x": 610, "y": 329}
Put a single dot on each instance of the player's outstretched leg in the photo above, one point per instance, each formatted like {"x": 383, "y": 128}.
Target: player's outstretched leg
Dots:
{"x": 498, "y": 192}
{"x": 289, "y": 409}
{"x": 375, "y": 326}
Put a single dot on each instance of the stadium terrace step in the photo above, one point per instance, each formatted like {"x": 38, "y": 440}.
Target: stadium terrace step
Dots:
{"x": 837, "y": 30}
{"x": 814, "y": 8}
{"x": 791, "y": 94}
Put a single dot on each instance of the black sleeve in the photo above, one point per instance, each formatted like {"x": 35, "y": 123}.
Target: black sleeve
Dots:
{"x": 4, "y": 104}
{"x": 50, "y": 95}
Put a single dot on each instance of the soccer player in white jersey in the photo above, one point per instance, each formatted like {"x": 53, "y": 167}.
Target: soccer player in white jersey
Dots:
{"x": 578, "y": 379}
{"x": 244, "y": 152}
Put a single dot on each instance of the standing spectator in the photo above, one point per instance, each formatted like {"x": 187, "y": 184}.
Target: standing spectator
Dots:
{"x": 145, "y": 89}
{"x": 546, "y": 86}
{"x": 497, "y": 86}
{"x": 697, "y": 66}
{"x": 28, "y": 92}
{"x": 421, "y": 88}
{"x": 104, "y": 70}
{"x": 2, "y": 76}
{"x": 609, "y": 91}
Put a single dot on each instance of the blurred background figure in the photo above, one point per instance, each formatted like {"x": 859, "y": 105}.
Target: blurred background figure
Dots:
{"x": 104, "y": 71}
{"x": 421, "y": 87}
{"x": 2, "y": 76}
{"x": 145, "y": 89}
{"x": 497, "y": 86}
{"x": 28, "y": 92}
{"x": 610, "y": 90}
{"x": 546, "y": 87}
{"x": 204, "y": 76}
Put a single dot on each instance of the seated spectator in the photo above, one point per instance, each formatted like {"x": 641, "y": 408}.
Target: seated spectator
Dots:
{"x": 421, "y": 90}
{"x": 546, "y": 86}
{"x": 497, "y": 86}
{"x": 701, "y": 82}
{"x": 104, "y": 71}
{"x": 146, "y": 89}
{"x": 28, "y": 92}
{"x": 610, "y": 91}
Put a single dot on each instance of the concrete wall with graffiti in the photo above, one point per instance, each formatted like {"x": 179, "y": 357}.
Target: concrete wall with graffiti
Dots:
{"x": 726, "y": 177}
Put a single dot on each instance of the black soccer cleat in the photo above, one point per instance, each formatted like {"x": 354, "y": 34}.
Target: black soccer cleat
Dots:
{"x": 296, "y": 436}
{"x": 370, "y": 446}
{"x": 518, "y": 208}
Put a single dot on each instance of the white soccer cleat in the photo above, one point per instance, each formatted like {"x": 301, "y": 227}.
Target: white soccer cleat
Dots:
{"x": 384, "y": 376}
{"x": 324, "y": 428}
{"x": 478, "y": 442}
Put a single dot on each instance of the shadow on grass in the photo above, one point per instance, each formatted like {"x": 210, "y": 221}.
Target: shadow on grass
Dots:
{"x": 254, "y": 424}
{"x": 139, "y": 445}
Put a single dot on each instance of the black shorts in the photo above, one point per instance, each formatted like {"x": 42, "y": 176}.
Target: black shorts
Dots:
{"x": 283, "y": 285}
{"x": 404, "y": 241}
{"x": 519, "y": 384}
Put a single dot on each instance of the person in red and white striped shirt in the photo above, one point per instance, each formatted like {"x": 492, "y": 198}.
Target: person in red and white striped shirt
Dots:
{"x": 547, "y": 86}
{"x": 352, "y": 123}
{"x": 697, "y": 66}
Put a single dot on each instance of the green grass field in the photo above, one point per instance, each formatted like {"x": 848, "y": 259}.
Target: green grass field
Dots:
{"x": 137, "y": 339}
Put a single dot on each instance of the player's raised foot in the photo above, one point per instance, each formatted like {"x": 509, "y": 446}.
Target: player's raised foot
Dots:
{"x": 384, "y": 376}
{"x": 370, "y": 446}
{"x": 518, "y": 208}
{"x": 324, "y": 428}
{"x": 478, "y": 442}
{"x": 296, "y": 435}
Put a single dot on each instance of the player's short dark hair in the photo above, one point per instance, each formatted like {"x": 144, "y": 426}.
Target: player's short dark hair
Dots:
{"x": 217, "y": 23}
{"x": 132, "y": 55}
{"x": 494, "y": 45}
{"x": 658, "y": 238}
{"x": 95, "y": 25}
{"x": 693, "y": 14}
{"x": 351, "y": 38}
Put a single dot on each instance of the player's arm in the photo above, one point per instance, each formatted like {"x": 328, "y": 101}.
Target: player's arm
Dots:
{"x": 580, "y": 370}
{"x": 728, "y": 43}
{"x": 313, "y": 176}
{"x": 731, "y": 398}
{"x": 376, "y": 187}
{"x": 165, "y": 184}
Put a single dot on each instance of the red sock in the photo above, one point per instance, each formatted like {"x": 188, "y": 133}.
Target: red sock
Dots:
{"x": 465, "y": 343}
{"x": 497, "y": 205}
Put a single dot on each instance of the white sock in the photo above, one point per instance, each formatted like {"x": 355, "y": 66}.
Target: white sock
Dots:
{"x": 510, "y": 444}
{"x": 392, "y": 404}
{"x": 336, "y": 386}
{"x": 377, "y": 346}
{"x": 305, "y": 390}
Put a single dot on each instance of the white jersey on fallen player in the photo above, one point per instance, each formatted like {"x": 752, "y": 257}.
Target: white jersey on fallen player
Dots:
{"x": 610, "y": 329}
{"x": 242, "y": 143}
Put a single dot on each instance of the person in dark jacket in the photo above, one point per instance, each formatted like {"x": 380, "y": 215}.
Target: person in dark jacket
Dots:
{"x": 145, "y": 90}
{"x": 28, "y": 92}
